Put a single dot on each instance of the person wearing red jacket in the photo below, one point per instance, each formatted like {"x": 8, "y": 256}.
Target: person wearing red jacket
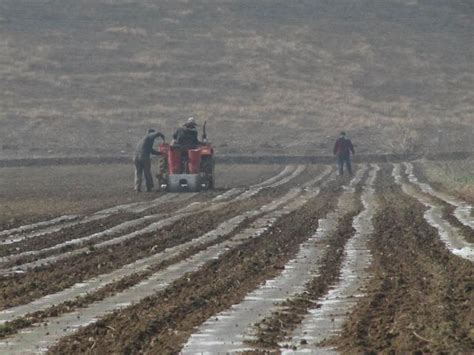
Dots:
{"x": 342, "y": 150}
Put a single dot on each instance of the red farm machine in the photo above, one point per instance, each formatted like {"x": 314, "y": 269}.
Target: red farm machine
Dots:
{"x": 184, "y": 168}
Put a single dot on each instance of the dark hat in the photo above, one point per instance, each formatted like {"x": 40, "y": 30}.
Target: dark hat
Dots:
{"x": 343, "y": 133}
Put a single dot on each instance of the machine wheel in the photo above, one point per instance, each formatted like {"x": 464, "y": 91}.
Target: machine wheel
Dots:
{"x": 207, "y": 167}
{"x": 162, "y": 172}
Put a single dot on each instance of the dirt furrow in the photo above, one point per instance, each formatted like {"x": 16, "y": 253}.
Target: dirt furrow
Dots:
{"x": 17, "y": 260}
{"x": 254, "y": 191}
{"x": 134, "y": 207}
{"x": 326, "y": 317}
{"x": 434, "y": 216}
{"x": 37, "y": 225}
{"x": 19, "y": 289}
{"x": 420, "y": 297}
{"x": 150, "y": 286}
{"x": 112, "y": 239}
{"x": 127, "y": 275}
{"x": 83, "y": 227}
{"x": 79, "y": 243}
{"x": 462, "y": 211}
{"x": 46, "y": 240}
{"x": 36, "y": 229}
{"x": 228, "y": 331}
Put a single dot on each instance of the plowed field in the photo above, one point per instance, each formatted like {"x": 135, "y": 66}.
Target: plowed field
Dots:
{"x": 281, "y": 259}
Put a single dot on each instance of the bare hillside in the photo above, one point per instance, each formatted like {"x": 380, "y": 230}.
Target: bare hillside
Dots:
{"x": 89, "y": 76}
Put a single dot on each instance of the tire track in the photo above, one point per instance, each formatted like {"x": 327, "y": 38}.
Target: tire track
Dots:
{"x": 327, "y": 319}
{"x": 162, "y": 222}
{"x": 229, "y": 330}
{"x": 462, "y": 209}
{"x": 434, "y": 216}
{"x": 38, "y": 339}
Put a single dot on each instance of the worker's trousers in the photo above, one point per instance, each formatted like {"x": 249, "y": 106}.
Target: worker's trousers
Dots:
{"x": 143, "y": 167}
{"x": 344, "y": 160}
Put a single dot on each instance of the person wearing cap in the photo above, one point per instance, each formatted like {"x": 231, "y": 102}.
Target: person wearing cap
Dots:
{"x": 342, "y": 150}
{"x": 186, "y": 136}
{"x": 142, "y": 161}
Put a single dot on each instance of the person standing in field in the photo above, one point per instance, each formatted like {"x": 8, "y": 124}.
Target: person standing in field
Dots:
{"x": 342, "y": 150}
{"x": 142, "y": 161}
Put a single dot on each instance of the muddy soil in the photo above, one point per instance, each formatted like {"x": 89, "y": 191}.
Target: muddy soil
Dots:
{"x": 22, "y": 288}
{"x": 264, "y": 196}
{"x": 33, "y": 194}
{"x": 87, "y": 229}
{"x": 13, "y": 327}
{"x": 274, "y": 329}
{"x": 466, "y": 231}
{"x": 65, "y": 234}
{"x": 162, "y": 323}
{"x": 420, "y": 298}
{"x": 448, "y": 210}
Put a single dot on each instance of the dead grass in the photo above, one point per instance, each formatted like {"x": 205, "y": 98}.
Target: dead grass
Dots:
{"x": 456, "y": 176}
{"x": 393, "y": 74}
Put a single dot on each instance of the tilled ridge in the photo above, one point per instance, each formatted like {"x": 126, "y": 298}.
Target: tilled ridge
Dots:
{"x": 334, "y": 232}
{"x": 121, "y": 233}
{"x": 31, "y": 245}
{"x": 165, "y": 258}
{"x": 457, "y": 212}
{"x": 449, "y": 215}
{"x": 58, "y": 231}
{"x": 420, "y": 297}
{"x": 131, "y": 274}
{"x": 434, "y": 216}
{"x": 326, "y": 319}
{"x": 47, "y": 227}
{"x": 462, "y": 211}
{"x": 228, "y": 330}
{"x": 19, "y": 289}
{"x": 83, "y": 232}
{"x": 189, "y": 300}
{"x": 42, "y": 224}
{"x": 18, "y": 262}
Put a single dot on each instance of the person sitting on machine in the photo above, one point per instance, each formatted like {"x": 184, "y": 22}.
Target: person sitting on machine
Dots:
{"x": 186, "y": 138}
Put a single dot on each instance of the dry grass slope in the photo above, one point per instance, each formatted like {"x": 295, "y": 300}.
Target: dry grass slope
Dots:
{"x": 83, "y": 76}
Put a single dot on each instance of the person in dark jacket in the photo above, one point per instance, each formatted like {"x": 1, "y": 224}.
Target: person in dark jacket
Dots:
{"x": 342, "y": 150}
{"x": 142, "y": 161}
{"x": 186, "y": 136}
